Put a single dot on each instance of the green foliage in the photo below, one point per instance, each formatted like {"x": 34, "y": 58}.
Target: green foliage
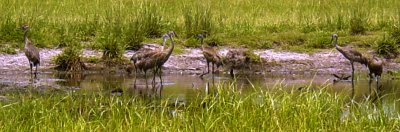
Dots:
{"x": 279, "y": 109}
{"x": 111, "y": 38}
{"x": 358, "y": 22}
{"x": 197, "y": 20}
{"x": 150, "y": 20}
{"x": 192, "y": 42}
{"x": 70, "y": 59}
{"x": 395, "y": 34}
{"x": 141, "y": 20}
{"x": 254, "y": 58}
{"x": 10, "y": 30}
{"x": 8, "y": 50}
{"x": 133, "y": 36}
{"x": 387, "y": 47}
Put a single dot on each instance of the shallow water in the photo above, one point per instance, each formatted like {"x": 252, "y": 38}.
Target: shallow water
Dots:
{"x": 185, "y": 87}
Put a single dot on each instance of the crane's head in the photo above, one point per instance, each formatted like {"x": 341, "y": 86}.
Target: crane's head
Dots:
{"x": 172, "y": 34}
{"x": 24, "y": 27}
{"x": 334, "y": 37}
{"x": 200, "y": 36}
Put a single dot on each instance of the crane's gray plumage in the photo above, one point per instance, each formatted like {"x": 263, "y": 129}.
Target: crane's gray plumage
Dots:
{"x": 211, "y": 56}
{"x": 155, "y": 60}
{"x": 236, "y": 59}
{"x": 31, "y": 52}
{"x": 144, "y": 53}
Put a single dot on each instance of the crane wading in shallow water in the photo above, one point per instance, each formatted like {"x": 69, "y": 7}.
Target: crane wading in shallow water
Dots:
{"x": 236, "y": 59}
{"x": 375, "y": 67}
{"x": 211, "y": 56}
{"x": 350, "y": 54}
{"x": 163, "y": 56}
{"x": 146, "y": 52}
{"x": 31, "y": 52}
{"x": 155, "y": 60}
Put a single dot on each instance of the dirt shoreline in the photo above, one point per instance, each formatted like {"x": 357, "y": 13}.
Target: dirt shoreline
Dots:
{"x": 192, "y": 62}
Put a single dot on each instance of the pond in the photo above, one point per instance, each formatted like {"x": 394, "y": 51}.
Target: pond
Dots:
{"x": 183, "y": 87}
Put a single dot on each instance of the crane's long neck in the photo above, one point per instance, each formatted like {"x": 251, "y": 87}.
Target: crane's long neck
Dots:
{"x": 335, "y": 42}
{"x": 163, "y": 44}
{"x": 202, "y": 43}
{"x": 26, "y": 41}
{"x": 171, "y": 47}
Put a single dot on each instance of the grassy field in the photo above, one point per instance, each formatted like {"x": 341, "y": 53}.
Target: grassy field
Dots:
{"x": 299, "y": 25}
{"x": 227, "y": 109}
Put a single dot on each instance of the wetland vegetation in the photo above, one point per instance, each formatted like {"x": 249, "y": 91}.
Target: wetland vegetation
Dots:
{"x": 114, "y": 26}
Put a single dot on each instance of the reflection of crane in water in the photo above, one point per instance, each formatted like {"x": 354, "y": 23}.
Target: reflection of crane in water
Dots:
{"x": 141, "y": 90}
{"x": 350, "y": 54}
{"x": 31, "y": 52}
{"x": 211, "y": 56}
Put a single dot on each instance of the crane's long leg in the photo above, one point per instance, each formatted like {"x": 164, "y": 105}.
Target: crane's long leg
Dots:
{"x": 154, "y": 76}
{"x": 352, "y": 75}
{"x": 36, "y": 70}
{"x": 160, "y": 74}
{"x": 212, "y": 68}
{"x": 231, "y": 72}
{"x": 208, "y": 70}
{"x": 145, "y": 78}
{"x": 30, "y": 65}
{"x": 369, "y": 83}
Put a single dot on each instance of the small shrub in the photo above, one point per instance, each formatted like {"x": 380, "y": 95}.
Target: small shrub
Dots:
{"x": 70, "y": 59}
{"x": 197, "y": 20}
{"x": 8, "y": 49}
{"x": 133, "y": 36}
{"x": 254, "y": 58}
{"x": 10, "y": 31}
{"x": 192, "y": 42}
{"x": 387, "y": 47}
{"x": 111, "y": 39}
{"x": 395, "y": 35}
{"x": 150, "y": 20}
{"x": 357, "y": 23}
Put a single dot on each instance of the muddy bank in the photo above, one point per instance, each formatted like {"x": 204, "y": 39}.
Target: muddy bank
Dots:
{"x": 192, "y": 62}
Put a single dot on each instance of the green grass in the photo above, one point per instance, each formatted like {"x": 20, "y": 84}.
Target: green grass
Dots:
{"x": 226, "y": 109}
{"x": 232, "y": 22}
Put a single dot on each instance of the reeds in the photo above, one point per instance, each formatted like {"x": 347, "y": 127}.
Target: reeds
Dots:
{"x": 226, "y": 108}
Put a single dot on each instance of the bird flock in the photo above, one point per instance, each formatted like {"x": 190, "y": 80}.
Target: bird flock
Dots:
{"x": 146, "y": 59}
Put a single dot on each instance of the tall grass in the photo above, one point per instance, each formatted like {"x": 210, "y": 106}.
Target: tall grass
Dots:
{"x": 229, "y": 20}
{"x": 226, "y": 109}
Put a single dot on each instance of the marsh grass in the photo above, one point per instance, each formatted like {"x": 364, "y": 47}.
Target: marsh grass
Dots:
{"x": 226, "y": 108}
{"x": 233, "y": 22}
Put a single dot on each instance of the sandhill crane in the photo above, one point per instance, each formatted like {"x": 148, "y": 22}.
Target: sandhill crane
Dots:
{"x": 145, "y": 53}
{"x": 31, "y": 52}
{"x": 162, "y": 57}
{"x": 236, "y": 59}
{"x": 156, "y": 59}
{"x": 375, "y": 67}
{"x": 211, "y": 56}
{"x": 350, "y": 54}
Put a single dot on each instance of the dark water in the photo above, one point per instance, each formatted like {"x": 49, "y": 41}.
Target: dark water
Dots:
{"x": 186, "y": 87}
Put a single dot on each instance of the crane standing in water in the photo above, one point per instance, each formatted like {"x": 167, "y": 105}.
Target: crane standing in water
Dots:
{"x": 375, "y": 67}
{"x": 155, "y": 60}
{"x": 236, "y": 59}
{"x": 146, "y": 52}
{"x": 31, "y": 52}
{"x": 350, "y": 54}
{"x": 211, "y": 56}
